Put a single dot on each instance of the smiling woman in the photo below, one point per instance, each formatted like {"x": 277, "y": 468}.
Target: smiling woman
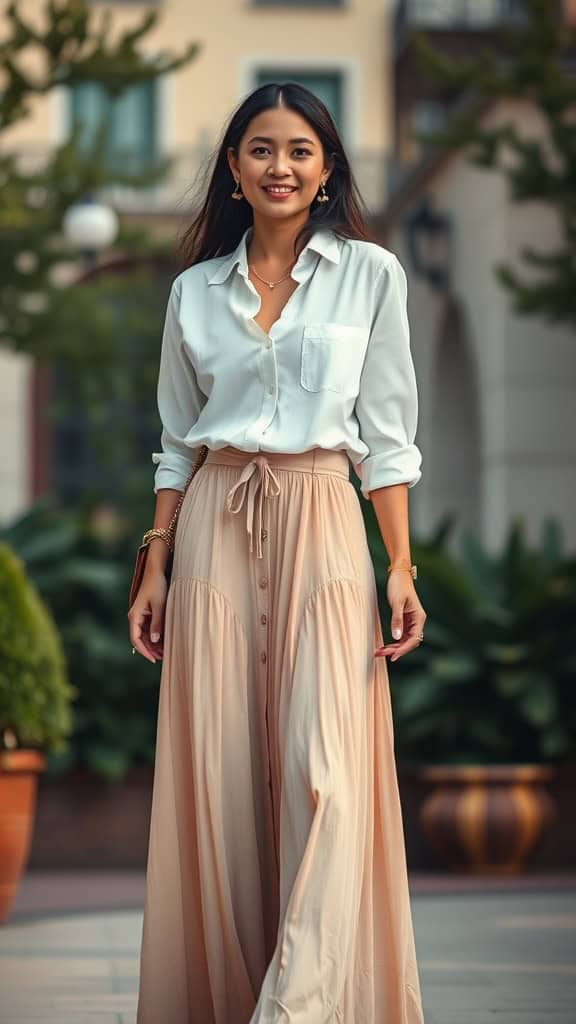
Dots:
{"x": 276, "y": 887}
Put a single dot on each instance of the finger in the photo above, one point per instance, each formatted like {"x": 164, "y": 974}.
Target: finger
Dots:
{"x": 156, "y": 628}
{"x": 396, "y": 650}
{"x": 146, "y": 641}
{"x": 409, "y": 644}
{"x": 397, "y": 621}
{"x": 385, "y": 650}
{"x": 138, "y": 635}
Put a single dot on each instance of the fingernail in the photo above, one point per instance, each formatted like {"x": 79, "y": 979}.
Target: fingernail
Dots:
{"x": 396, "y": 633}
{"x": 155, "y": 637}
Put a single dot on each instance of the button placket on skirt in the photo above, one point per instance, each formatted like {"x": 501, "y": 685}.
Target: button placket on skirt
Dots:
{"x": 256, "y": 484}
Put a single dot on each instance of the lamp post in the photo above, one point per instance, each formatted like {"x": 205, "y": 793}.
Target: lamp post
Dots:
{"x": 90, "y": 226}
{"x": 429, "y": 243}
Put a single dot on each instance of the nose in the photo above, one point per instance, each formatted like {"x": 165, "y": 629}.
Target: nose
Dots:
{"x": 279, "y": 164}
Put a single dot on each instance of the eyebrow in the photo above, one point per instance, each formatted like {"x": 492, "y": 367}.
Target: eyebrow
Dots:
{"x": 263, "y": 138}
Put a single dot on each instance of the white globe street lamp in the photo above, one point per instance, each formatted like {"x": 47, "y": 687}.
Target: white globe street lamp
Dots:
{"x": 90, "y": 226}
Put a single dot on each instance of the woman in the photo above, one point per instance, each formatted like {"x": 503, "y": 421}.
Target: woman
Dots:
{"x": 276, "y": 886}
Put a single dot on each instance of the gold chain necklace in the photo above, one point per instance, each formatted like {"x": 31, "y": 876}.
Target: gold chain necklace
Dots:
{"x": 271, "y": 284}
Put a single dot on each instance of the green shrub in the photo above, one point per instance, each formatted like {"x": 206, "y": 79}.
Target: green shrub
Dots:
{"x": 34, "y": 690}
{"x": 494, "y": 679}
{"x": 80, "y": 560}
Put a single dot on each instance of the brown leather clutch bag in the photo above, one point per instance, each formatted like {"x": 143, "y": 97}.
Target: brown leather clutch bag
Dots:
{"x": 142, "y": 552}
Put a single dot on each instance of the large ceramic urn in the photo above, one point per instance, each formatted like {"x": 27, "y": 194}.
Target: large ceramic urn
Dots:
{"x": 486, "y": 818}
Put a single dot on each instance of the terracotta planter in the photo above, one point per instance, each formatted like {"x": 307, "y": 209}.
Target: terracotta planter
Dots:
{"x": 18, "y": 782}
{"x": 486, "y": 818}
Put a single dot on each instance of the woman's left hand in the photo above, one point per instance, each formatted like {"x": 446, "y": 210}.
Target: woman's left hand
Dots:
{"x": 408, "y": 616}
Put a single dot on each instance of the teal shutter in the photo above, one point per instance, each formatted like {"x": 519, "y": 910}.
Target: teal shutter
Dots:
{"x": 130, "y": 118}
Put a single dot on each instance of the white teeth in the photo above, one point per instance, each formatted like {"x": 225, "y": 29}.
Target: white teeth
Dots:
{"x": 272, "y": 188}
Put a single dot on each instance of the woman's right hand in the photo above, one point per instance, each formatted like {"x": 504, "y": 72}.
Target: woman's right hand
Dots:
{"x": 146, "y": 616}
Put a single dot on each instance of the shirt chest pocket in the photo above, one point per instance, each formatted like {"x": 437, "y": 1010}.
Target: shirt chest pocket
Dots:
{"x": 332, "y": 357}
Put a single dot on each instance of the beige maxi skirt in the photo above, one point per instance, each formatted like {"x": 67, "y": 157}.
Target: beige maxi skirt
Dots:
{"x": 276, "y": 883}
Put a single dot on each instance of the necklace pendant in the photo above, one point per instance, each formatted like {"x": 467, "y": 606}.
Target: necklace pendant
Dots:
{"x": 270, "y": 285}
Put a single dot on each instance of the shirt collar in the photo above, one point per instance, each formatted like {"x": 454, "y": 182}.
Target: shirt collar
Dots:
{"x": 323, "y": 241}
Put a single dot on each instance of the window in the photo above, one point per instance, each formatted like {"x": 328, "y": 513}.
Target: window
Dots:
{"x": 475, "y": 13}
{"x": 326, "y": 85}
{"x": 103, "y": 424}
{"x": 299, "y": 3}
{"x": 130, "y": 118}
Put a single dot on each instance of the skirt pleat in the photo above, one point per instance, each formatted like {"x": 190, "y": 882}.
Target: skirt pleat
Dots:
{"x": 276, "y": 883}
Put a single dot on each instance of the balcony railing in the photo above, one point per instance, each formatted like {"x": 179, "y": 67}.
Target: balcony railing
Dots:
{"x": 172, "y": 196}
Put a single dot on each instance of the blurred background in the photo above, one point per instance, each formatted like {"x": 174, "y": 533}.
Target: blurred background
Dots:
{"x": 459, "y": 117}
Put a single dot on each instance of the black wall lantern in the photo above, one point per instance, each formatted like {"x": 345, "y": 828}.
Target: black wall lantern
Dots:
{"x": 428, "y": 236}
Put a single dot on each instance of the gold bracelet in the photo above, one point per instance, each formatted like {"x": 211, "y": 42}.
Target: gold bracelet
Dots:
{"x": 413, "y": 570}
{"x": 159, "y": 531}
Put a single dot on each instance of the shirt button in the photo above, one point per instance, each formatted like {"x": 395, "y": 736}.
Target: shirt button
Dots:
{"x": 263, "y": 657}
{"x": 268, "y": 342}
{"x": 263, "y": 620}
{"x": 271, "y": 389}
{"x": 264, "y": 534}
{"x": 263, "y": 581}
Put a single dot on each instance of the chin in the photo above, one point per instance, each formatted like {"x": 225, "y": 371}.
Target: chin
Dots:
{"x": 281, "y": 211}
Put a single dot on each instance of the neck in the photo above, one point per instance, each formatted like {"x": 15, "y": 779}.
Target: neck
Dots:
{"x": 272, "y": 242}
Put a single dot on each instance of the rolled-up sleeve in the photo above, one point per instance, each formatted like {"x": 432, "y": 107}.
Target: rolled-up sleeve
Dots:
{"x": 387, "y": 404}
{"x": 180, "y": 401}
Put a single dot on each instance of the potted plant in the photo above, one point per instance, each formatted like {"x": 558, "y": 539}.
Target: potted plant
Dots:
{"x": 34, "y": 713}
{"x": 96, "y": 792}
{"x": 80, "y": 559}
{"x": 485, "y": 708}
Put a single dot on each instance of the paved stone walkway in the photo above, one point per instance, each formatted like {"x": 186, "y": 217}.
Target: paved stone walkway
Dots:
{"x": 498, "y": 954}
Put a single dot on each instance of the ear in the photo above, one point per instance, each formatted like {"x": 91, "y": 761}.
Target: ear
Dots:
{"x": 232, "y": 161}
{"x": 329, "y": 163}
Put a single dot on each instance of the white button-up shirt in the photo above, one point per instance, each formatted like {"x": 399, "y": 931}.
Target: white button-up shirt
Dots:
{"x": 334, "y": 371}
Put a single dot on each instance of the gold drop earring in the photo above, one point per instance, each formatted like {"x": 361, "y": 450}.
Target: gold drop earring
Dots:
{"x": 324, "y": 198}
{"x": 237, "y": 193}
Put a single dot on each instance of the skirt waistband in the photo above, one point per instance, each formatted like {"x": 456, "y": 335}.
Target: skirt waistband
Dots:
{"x": 316, "y": 460}
{"x": 258, "y": 479}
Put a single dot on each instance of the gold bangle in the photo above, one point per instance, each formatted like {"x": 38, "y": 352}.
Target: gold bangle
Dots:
{"x": 158, "y": 531}
{"x": 413, "y": 570}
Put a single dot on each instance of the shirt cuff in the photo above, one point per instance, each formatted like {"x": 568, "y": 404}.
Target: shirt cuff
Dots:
{"x": 401, "y": 466}
{"x": 173, "y": 469}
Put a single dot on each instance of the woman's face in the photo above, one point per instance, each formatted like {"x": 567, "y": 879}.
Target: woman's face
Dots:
{"x": 279, "y": 148}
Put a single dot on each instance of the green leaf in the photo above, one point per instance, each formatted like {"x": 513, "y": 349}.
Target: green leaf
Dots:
{"x": 415, "y": 694}
{"x": 514, "y": 682}
{"x": 506, "y": 654}
{"x": 454, "y": 668}
{"x": 109, "y": 762}
{"x": 539, "y": 705}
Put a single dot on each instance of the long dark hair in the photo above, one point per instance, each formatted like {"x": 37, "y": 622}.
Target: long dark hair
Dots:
{"x": 220, "y": 222}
